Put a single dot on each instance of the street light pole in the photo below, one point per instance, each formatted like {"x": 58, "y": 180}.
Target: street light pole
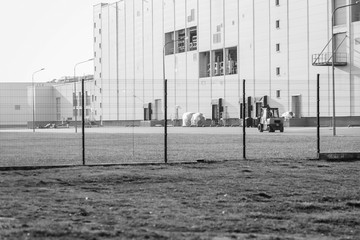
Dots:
{"x": 76, "y": 102}
{"x": 33, "y": 99}
{"x": 332, "y": 62}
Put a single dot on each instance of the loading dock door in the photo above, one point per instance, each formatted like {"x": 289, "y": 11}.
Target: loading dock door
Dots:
{"x": 157, "y": 110}
{"x": 296, "y": 105}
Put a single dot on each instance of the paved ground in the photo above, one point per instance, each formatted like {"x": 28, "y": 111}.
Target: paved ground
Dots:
{"x": 327, "y": 131}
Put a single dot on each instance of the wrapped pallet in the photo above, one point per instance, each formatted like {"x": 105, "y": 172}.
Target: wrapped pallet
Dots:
{"x": 186, "y": 119}
{"x": 198, "y": 120}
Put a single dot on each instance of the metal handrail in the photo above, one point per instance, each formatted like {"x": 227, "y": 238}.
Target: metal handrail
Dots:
{"x": 324, "y": 58}
{"x": 337, "y": 48}
{"x": 323, "y": 49}
{"x": 321, "y": 53}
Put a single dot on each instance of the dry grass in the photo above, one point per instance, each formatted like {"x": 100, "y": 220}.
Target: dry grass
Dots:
{"x": 273, "y": 199}
{"x": 121, "y": 145}
{"x": 277, "y": 194}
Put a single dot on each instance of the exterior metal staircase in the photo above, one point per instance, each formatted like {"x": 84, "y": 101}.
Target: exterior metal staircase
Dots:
{"x": 326, "y": 58}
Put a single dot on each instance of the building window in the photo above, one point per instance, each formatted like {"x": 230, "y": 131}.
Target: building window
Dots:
{"x": 204, "y": 64}
{"x": 192, "y": 39}
{"x": 94, "y": 54}
{"x": 278, "y": 47}
{"x": 180, "y": 41}
{"x": 87, "y": 99}
{"x": 99, "y": 75}
{"x": 217, "y": 37}
{"x": 218, "y": 62}
{"x": 277, "y": 2}
{"x": 99, "y": 45}
{"x": 278, "y": 71}
{"x": 80, "y": 99}
{"x": 169, "y": 43}
{"x": 99, "y": 60}
{"x": 99, "y": 15}
{"x": 231, "y": 60}
{"x": 74, "y": 100}
{"x": 17, "y": 107}
{"x": 355, "y": 12}
{"x": 278, "y": 93}
{"x": 277, "y": 24}
{"x": 100, "y": 90}
{"x": 94, "y": 39}
{"x": 94, "y": 25}
{"x": 192, "y": 16}
{"x": 95, "y": 68}
{"x": 99, "y": 30}
{"x": 100, "y": 105}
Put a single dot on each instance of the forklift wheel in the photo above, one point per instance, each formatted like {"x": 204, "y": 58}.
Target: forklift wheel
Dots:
{"x": 282, "y": 129}
{"x": 260, "y": 128}
{"x": 271, "y": 129}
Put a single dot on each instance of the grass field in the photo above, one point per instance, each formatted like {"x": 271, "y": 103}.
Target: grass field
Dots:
{"x": 257, "y": 199}
{"x": 277, "y": 193}
{"x": 146, "y": 145}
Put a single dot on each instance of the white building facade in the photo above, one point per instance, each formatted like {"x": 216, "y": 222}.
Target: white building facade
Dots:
{"x": 212, "y": 45}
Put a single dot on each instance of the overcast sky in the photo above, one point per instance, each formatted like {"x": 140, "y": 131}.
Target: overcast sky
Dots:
{"x": 50, "y": 34}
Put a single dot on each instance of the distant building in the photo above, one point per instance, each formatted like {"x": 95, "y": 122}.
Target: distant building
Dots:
{"x": 212, "y": 45}
{"x": 55, "y": 101}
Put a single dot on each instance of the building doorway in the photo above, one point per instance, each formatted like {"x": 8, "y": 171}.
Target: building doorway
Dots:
{"x": 296, "y": 105}
{"x": 147, "y": 112}
{"x": 157, "y": 114}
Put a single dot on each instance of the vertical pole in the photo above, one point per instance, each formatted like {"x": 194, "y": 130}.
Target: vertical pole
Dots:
{"x": 83, "y": 120}
{"x": 33, "y": 104}
{"x": 333, "y": 72}
{"x": 76, "y": 103}
{"x": 318, "y": 115}
{"x": 165, "y": 120}
{"x": 244, "y": 129}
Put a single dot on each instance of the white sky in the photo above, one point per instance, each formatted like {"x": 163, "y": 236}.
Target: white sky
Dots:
{"x": 50, "y": 34}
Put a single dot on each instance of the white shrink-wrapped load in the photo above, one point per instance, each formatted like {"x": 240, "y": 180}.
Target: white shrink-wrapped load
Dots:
{"x": 198, "y": 120}
{"x": 288, "y": 115}
{"x": 186, "y": 119}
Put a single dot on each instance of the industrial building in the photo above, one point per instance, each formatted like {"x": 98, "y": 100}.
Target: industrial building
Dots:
{"x": 56, "y": 101}
{"x": 210, "y": 46}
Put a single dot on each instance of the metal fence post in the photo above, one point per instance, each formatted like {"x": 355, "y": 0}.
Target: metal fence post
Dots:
{"x": 83, "y": 120}
{"x": 165, "y": 120}
{"x": 318, "y": 114}
{"x": 243, "y": 114}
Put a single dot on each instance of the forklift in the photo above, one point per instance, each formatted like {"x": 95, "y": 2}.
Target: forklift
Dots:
{"x": 270, "y": 120}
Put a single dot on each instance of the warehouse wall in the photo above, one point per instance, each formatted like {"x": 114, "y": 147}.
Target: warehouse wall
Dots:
{"x": 273, "y": 43}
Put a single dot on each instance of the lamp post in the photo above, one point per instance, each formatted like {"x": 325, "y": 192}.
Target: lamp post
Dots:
{"x": 33, "y": 98}
{"x": 332, "y": 62}
{"x": 75, "y": 112}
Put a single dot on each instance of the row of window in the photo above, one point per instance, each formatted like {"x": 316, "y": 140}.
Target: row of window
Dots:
{"x": 78, "y": 112}
{"x": 77, "y": 99}
{"x": 181, "y": 41}
{"x": 218, "y": 62}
